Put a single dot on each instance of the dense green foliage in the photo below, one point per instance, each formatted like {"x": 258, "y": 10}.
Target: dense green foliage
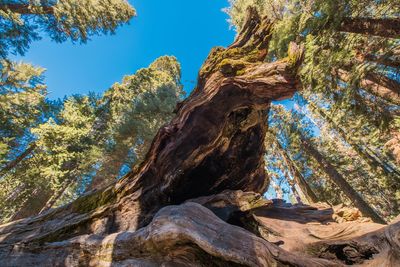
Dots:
{"x": 347, "y": 111}
{"x": 53, "y": 151}
{"x": 92, "y": 141}
{"x": 22, "y": 95}
{"x": 349, "y": 97}
{"x": 22, "y": 22}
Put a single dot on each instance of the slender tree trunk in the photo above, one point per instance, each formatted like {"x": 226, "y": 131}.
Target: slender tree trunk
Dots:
{"x": 339, "y": 180}
{"x": 56, "y": 196}
{"x": 388, "y": 61}
{"x": 292, "y": 185}
{"x": 32, "y": 205}
{"x": 299, "y": 178}
{"x": 377, "y": 85}
{"x": 384, "y": 27}
{"x": 12, "y": 164}
{"x": 371, "y": 160}
{"x": 278, "y": 189}
{"x": 25, "y": 9}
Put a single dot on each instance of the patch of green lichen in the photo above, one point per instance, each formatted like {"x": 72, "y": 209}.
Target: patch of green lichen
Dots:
{"x": 313, "y": 250}
{"x": 295, "y": 54}
{"x": 92, "y": 201}
{"x": 230, "y": 61}
{"x": 231, "y": 67}
{"x": 258, "y": 201}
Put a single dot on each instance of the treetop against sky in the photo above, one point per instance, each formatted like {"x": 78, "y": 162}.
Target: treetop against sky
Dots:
{"x": 185, "y": 29}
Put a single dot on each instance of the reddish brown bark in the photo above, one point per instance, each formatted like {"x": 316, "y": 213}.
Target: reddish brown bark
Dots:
{"x": 26, "y": 9}
{"x": 377, "y": 85}
{"x": 215, "y": 143}
{"x": 384, "y": 27}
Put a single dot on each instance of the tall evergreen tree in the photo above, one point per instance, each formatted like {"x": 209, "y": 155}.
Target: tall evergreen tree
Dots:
{"x": 138, "y": 107}
{"x": 350, "y": 74}
{"x": 91, "y": 142}
{"x": 22, "y": 103}
{"x": 23, "y": 21}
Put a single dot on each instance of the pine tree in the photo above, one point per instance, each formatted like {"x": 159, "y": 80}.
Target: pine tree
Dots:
{"x": 350, "y": 73}
{"x": 139, "y": 106}
{"x": 22, "y": 103}
{"x": 72, "y": 151}
{"x": 297, "y": 135}
{"x": 22, "y": 22}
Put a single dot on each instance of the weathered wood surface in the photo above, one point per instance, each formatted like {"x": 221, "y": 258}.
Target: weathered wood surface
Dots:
{"x": 215, "y": 143}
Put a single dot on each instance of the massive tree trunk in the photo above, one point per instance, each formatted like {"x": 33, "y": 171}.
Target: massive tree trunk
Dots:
{"x": 384, "y": 27}
{"x": 215, "y": 143}
{"x": 339, "y": 180}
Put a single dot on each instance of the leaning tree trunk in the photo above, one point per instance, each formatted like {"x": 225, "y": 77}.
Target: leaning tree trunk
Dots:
{"x": 384, "y": 27}
{"x": 339, "y": 180}
{"x": 215, "y": 143}
{"x": 57, "y": 195}
{"x": 12, "y": 164}
{"x": 385, "y": 60}
{"x": 361, "y": 149}
{"x": 377, "y": 85}
{"x": 26, "y": 9}
{"x": 298, "y": 177}
{"x": 32, "y": 205}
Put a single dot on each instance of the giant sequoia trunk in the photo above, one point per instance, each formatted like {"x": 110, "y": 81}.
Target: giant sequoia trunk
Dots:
{"x": 384, "y": 27}
{"x": 215, "y": 143}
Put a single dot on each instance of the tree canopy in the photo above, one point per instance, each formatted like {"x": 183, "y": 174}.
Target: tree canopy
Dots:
{"x": 349, "y": 95}
{"x": 24, "y": 21}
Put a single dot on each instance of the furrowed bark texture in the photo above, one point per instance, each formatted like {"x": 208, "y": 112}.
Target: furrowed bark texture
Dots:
{"x": 214, "y": 144}
{"x": 377, "y": 85}
{"x": 384, "y": 27}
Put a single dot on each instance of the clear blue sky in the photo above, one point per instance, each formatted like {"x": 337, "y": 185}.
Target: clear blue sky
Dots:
{"x": 187, "y": 29}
